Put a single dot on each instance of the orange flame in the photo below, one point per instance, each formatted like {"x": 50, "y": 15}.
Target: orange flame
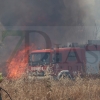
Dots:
{"x": 18, "y": 64}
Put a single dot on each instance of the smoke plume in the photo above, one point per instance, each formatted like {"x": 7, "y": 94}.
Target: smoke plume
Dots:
{"x": 74, "y": 17}
{"x": 46, "y": 12}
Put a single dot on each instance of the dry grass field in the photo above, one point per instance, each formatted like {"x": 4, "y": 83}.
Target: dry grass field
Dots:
{"x": 46, "y": 89}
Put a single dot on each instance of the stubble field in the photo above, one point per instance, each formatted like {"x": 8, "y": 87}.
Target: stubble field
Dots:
{"x": 46, "y": 89}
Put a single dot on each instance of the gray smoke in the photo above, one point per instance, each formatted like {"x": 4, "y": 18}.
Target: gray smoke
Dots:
{"x": 73, "y": 18}
{"x": 46, "y": 12}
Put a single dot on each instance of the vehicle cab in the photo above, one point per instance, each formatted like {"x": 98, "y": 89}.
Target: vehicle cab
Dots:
{"x": 39, "y": 60}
